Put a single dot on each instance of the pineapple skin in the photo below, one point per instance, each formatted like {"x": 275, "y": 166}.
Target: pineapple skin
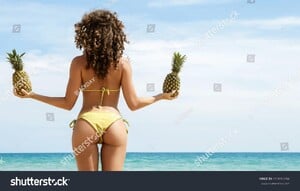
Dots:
{"x": 171, "y": 83}
{"x": 21, "y": 81}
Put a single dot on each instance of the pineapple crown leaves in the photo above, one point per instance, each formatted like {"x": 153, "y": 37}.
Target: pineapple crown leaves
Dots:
{"x": 16, "y": 60}
{"x": 178, "y": 61}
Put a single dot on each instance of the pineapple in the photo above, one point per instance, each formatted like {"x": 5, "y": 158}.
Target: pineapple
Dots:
{"x": 20, "y": 77}
{"x": 172, "y": 80}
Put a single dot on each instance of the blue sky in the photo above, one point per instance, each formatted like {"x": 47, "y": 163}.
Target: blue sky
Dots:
{"x": 256, "y": 111}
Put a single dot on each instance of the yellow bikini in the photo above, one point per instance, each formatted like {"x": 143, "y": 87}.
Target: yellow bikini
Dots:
{"x": 100, "y": 120}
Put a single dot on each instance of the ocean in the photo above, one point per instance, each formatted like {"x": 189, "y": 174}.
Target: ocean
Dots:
{"x": 158, "y": 161}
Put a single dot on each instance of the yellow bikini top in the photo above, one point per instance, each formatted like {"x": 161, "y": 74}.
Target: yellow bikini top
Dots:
{"x": 102, "y": 90}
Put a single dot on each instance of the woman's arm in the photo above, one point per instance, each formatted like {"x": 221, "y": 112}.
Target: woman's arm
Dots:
{"x": 133, "y": 101}
{"x": 72, "y": 90}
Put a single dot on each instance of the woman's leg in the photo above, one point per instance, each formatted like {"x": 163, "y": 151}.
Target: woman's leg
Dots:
{"x": 113, "y": 150}
{"x": 84, "y": 142}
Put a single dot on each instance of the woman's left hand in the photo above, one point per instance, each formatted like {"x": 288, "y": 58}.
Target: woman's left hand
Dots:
{"x": 26, "y": 94}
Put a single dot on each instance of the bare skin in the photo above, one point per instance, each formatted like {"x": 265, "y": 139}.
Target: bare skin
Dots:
{"x": 113, "y": 151}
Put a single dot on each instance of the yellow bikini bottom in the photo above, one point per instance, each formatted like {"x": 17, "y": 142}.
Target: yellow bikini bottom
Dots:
{"x": 100, "y": 121}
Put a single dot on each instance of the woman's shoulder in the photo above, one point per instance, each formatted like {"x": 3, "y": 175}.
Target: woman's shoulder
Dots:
{"x": 79, "y": 61}
{"x": 124, "y": 62}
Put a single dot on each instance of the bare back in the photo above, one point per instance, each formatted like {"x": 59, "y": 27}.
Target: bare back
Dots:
{"x": 91, "y": 83}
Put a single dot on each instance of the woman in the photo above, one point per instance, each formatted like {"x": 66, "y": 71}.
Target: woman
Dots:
{"x": 99, "y": 73}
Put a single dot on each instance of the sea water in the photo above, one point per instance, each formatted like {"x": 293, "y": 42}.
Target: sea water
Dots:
{"x": 137, "y": 161}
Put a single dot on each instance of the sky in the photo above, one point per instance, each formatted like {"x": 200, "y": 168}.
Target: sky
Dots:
{"x": 240, "y": 86}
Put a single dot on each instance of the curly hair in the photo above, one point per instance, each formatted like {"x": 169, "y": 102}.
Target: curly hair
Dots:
{"x": 100, "y": 34}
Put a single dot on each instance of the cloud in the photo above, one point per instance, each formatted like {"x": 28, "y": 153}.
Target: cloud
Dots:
{"x": 170, "y": 3}
{"x": 274, "y": 23}
{"x": 37, "y": 62}
{"x": 223, "y": 60}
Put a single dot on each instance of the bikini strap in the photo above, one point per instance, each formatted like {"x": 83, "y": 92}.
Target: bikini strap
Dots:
{"x": 72, "y": 123}
{"x": 103, "y": 90}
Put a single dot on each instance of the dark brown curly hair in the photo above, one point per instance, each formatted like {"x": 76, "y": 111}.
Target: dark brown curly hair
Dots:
{"x": 100, "y": 34}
